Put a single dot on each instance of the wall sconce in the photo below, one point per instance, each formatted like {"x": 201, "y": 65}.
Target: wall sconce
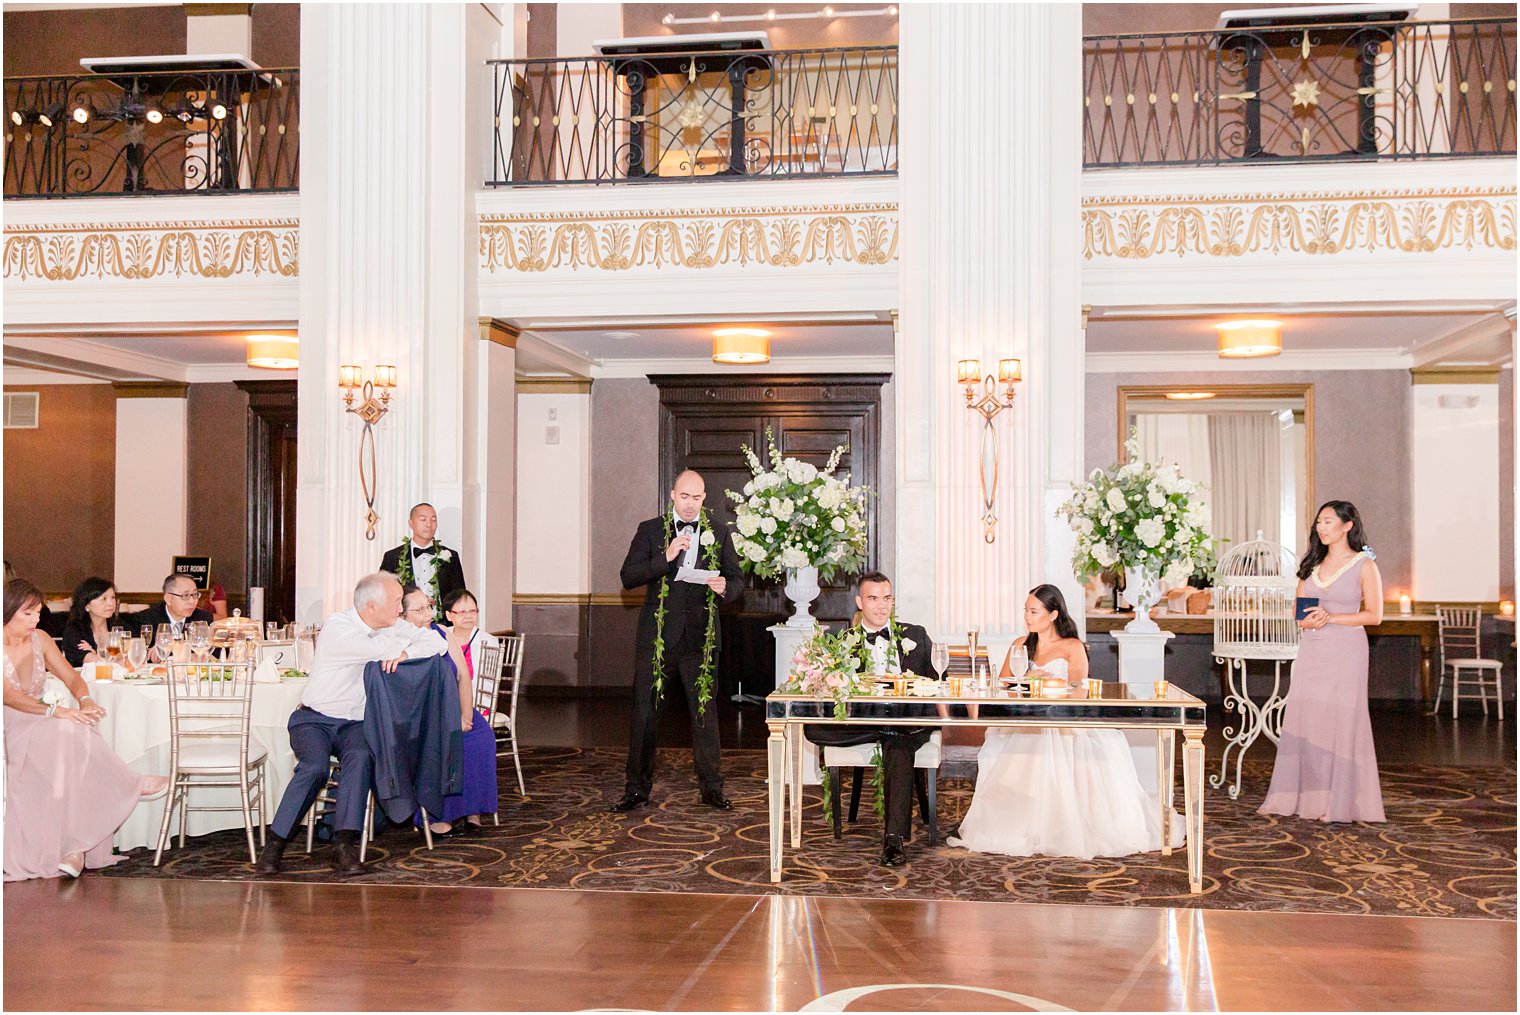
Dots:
{"x": 987, "y": 403}
{"x": 371, "y": 409}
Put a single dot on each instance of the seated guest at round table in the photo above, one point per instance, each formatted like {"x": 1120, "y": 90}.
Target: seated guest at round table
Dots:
{"x": 214, "y": 601}
{"x": 178, "y": 609}
{"x": 1058, "y": 792}
{"x": 90, "y": 616}
{"x": 66, "y": 791}
{"x": 330, "y": 721}
{"x": 478, "y": 792}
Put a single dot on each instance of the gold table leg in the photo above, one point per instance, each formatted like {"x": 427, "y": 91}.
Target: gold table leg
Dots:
{"x": 794, "y": 762}
{"x": 776, "y": 776}
{"x": 1192, "y": 790}
{"x": 1165, "y": 783}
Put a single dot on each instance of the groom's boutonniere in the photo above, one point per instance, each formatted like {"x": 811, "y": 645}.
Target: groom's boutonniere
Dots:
{"x": 445, "y": 556}
{"x": 706, "y": 538}
{"x": 909, "y": 644}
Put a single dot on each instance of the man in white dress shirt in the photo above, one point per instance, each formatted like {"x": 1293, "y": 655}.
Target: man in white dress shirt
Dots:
{"x": 330, "y": 721}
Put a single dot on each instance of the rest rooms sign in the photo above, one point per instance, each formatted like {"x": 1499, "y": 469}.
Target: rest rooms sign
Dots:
{"x": 198, "y": 568}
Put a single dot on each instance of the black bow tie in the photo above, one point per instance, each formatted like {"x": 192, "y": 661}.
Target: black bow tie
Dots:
{"x": 872, "y": 637}
{"x": 686, "y": 528}
{"x": 418, "y": 551}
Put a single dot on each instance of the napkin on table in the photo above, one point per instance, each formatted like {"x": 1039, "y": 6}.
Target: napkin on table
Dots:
{"x": 265, "y": 672}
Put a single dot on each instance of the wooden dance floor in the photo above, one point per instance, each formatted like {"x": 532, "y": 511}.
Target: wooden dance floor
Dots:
{"x": 139, "y": 944}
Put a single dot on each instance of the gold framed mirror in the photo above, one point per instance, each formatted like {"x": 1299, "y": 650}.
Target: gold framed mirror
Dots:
{"x": 1252, "y": 444}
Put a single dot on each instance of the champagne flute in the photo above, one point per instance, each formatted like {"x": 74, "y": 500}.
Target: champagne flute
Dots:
{"x": 137, "y": 654}
{"x": 146, "y": 633}
{"x": 939, "y": 658}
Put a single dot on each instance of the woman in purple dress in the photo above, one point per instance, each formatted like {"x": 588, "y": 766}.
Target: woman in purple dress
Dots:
{"x": 478, "y": 793}
{"x": 1326, "y": 764}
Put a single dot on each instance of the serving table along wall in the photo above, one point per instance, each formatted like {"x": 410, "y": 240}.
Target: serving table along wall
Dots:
{"x": 1122, "y": 707}
{"x": 137, "y": 728}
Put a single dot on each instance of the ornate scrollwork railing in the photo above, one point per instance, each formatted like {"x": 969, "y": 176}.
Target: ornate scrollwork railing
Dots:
{"x": 180, "y": 132}
{"x": 691, "y": 116}
{"x": 1374, "y": 90}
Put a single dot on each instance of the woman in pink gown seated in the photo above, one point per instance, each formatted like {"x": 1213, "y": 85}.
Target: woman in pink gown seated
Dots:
{"x": 1326, "y": 764}
{"x": 66, "y": 791}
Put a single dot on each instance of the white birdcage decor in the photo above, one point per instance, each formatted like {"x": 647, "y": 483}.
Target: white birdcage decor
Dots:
{"x": 1255, "y": 590}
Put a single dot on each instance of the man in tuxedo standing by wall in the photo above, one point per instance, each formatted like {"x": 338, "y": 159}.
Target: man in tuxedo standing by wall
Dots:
{"x": 678, "y": 539}
{"x": 891, "y": 647}
{"x": 420, "y": 558}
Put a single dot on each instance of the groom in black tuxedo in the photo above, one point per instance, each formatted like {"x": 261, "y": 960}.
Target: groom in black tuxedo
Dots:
{"x": 659, "y": 550}
{"x": 427, "y": 554}
{"x": 891, "y": 647}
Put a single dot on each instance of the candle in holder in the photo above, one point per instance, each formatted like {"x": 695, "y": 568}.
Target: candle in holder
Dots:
{"x": 1507, "y": 608}
{"x": 1406, "y": 606}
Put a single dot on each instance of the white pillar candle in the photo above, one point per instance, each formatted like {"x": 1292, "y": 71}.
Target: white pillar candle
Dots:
{"x": 256, "y": 604}
{"x": 1405, "y": 606}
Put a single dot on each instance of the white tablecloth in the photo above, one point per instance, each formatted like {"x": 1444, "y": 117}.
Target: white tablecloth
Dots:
{"x": 137, "y": 728}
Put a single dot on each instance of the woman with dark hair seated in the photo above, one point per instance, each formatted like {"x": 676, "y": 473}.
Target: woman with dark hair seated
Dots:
{"x": 90, "y": 616}
{"x": 478, "y": 793}
{"x": 1058, "y": 792}
{"x": 66, "y": 791}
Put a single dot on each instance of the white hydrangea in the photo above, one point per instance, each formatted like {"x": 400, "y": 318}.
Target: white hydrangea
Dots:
{"x": 801, "y": 472}
{"x": 793, "y": 557}
{"x": 1155, "y": 497}
{"x": 747, "y": 523}
{"x": 1104, "y": 555}
{"x": 1084, "y": 526}
{"x": 1115, "y": 499}
{"x": 831, "y": 495}
{"x": 1179, "y": 571}
{"x": 1150, "y": 531}
{"x": 755, "y": 552}
{"x": 782, "y": 508}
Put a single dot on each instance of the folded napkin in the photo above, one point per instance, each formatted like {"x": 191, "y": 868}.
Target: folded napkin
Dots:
{"x": 265, "y": 672}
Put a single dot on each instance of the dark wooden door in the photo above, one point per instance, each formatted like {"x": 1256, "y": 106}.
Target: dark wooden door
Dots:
{"x": 272, "y": 495}
{"x": 704, "y": 421}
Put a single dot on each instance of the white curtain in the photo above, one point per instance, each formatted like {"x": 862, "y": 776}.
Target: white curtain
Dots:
{"x": 1175, "y": 438}
{"x": 1246, "y": 453}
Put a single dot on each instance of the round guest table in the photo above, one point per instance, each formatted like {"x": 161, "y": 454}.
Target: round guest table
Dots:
{"x": 137, "y": 728}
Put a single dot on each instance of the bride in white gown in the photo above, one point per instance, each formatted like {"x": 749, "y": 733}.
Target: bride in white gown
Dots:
{"x": 1058, "y": 792}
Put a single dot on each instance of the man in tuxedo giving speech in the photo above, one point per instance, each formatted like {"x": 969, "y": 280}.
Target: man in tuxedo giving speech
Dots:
{"x": 890, "y": 647}
{"x": 688, "y": 569}
{"x": 422, "y": 561}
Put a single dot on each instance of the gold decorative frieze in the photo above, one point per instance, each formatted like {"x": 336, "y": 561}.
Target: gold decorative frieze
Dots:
{"x": 163, "y": 250}
{"x": 1290, "y": 224}
{"x": 864, "y": 234}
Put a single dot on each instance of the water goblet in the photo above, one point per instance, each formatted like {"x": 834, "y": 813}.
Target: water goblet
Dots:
{"x": 939, "y": 658}
{"x": 163, "y": 642}
{"x": 137, "y": 654}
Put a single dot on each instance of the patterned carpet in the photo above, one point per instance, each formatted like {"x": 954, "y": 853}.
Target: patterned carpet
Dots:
{"x": 1447, "y": 850}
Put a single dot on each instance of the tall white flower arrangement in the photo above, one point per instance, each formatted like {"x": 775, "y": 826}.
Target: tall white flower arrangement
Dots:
{"x": 1138, "y": 515}
{"x": 793, "y": 514}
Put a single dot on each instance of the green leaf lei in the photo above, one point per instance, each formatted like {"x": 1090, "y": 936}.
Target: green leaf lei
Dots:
{"x": 405, "y": 575}
{"x": 712, "y": 555}
{"x": 878, "y": 781}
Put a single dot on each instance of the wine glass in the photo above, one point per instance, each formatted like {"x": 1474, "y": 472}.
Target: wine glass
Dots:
{"x": 112, "y": 647}
{"x": 939, "y": 658}
{"x": 137, "y": 654}
{"x": 163, "y": 642}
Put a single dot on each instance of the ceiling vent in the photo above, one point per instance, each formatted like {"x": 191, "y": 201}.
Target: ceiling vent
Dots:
{"x": 21, "y": 410}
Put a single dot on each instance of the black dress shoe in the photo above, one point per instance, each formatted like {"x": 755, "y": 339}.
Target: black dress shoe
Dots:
{"x": 892, "y": 854}
{"x": 346, "y": 858}
{"x": 469, "y": 828}
{"x": 715, "y": 798}
{"x": 271, "y": 857}
{"x": 630, "y": 802}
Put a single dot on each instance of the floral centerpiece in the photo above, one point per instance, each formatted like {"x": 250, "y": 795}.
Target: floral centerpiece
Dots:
{"x": 837, "y": 666}
{"x": 1141, "y": 516}
{"x": 797, "y": 519}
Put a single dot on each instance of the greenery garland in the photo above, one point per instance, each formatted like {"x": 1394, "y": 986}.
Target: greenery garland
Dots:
{"x": 712, "y": 554}
{"x": 405, "y": 575}
{"x": 878, "y": 782}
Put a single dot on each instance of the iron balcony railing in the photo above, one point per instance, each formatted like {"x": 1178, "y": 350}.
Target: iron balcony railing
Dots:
{"x": 166, "y": 132}
{"x": 1376, "y": 90}
{"x": 690, "y": 116}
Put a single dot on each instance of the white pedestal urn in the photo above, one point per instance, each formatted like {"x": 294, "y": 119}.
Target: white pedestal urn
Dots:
{"x": 801, "y": 589}
{"x": 1140, "y": 592}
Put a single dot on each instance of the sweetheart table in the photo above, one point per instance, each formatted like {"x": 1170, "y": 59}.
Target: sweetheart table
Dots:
{"x": 1121, "y": 707}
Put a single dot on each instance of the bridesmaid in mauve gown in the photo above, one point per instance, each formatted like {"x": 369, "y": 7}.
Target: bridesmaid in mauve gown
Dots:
{"x": 66, "y": 791}
{"x": 1326, "y": 763}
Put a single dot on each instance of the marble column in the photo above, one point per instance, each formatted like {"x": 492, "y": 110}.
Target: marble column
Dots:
{"x": 392, "y": 115}
{"x": 990, "y": 95}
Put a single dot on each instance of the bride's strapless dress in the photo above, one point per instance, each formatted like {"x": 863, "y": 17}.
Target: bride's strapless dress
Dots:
{"x": 1060, "y": 792}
